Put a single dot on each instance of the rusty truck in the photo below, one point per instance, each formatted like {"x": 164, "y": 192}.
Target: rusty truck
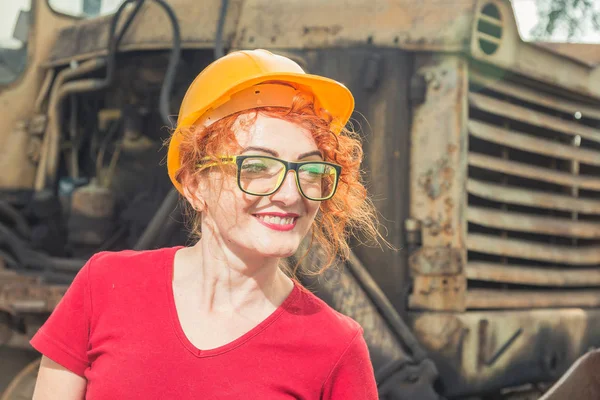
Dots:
{"x": 482, "y": 154}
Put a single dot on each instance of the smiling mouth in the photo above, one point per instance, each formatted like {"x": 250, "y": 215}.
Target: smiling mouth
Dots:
{"x": 276, "y": 222}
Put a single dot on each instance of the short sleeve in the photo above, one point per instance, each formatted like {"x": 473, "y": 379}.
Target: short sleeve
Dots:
{"x": 352, "y": 378}
{"x": 64, "y": 336}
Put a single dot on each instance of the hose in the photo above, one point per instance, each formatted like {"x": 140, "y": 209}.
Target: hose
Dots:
{"x": 70, "y": 88}
{"x": 88, "y": 85}
{"x": 113, "y": 43}
{"x": 13, "y": 245}
{"x": 8, "y": 260}
{"x": 26, "y": 257}
{"x": 21, "y": 225}
{"x": 60, "y": 278}
{"x": 167, "y": 86}
{"x": 148, "y": 238}
{"x": 169, "y": 228}
{"x": 48, "y": 145}
{"x": 49, "y": 159}
{"x": 219, "y": 50}
{"x": 112, "y": 130}
{"x": 44, "y": 91}
{"x": 152, "y": 231}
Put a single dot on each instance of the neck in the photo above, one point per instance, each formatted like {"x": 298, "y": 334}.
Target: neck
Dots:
{"x": 229, "y": 281}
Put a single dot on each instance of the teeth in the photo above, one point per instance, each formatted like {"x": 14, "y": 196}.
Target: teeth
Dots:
{"x": 276, "y": 220}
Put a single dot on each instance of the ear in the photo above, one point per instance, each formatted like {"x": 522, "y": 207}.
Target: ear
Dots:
{"x": 192, "y": 191}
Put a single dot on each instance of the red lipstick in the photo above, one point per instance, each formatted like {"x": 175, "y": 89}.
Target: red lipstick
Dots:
{"x": 277, "y": 221}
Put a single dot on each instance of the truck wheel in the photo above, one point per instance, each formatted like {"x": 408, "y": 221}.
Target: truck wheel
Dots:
{"x": 21, "y": 387}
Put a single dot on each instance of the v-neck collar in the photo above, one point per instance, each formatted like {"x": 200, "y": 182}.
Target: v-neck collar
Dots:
{"x": 169, "y": 270}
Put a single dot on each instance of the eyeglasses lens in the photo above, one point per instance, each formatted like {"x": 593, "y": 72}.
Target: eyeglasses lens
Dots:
{"x": 317, "y": 180}
{"x": 262, "y": 176}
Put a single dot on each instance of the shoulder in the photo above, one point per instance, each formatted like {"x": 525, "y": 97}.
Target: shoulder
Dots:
{"x": 108, "y": 262}
{"x": 127, "y": 268}
{"x": 325, "y": 321}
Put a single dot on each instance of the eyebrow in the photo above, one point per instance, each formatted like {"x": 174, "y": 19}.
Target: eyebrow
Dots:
{"x": 310, "y": 153}
{"x": 275, "y": 154}
{"x": 261, "y": 149}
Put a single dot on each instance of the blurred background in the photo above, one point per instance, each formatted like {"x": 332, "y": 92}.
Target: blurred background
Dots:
{"x": 481, "y": 124}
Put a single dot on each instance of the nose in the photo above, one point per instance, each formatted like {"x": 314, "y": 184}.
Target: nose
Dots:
{"x": 288, "y": 191}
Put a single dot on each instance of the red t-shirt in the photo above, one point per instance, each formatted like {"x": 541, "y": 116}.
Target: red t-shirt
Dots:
{"x": 117, "y": 326}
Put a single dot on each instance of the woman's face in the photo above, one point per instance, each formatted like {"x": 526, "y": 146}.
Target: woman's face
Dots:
{"x": 246, "y": 224}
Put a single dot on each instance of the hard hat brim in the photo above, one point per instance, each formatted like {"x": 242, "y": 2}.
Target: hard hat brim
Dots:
{"x": 329, "y": 94}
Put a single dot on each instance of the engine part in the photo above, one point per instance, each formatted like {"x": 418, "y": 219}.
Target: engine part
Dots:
{"x": 20, "y": 255}
{"x": 134, "y": 141}
{"x": 409, "y": 381}
{"x": 47, "y": 233}
{"x": 51, "y": 146}
{"x": 91, "y": 220}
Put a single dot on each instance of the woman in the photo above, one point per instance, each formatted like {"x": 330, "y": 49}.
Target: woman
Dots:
{"x": 261, "y": 155}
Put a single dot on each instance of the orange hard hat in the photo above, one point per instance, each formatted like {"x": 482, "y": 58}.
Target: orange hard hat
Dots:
{"x": 248, "y": 79}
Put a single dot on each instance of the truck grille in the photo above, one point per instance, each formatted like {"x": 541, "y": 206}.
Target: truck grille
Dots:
{"x": 533, "y": 207}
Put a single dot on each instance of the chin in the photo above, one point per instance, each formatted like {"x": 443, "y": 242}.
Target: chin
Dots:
{"x": 278, "y": 251}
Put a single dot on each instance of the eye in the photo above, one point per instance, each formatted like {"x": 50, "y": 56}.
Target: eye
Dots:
{"x": 316, "y": 168}
{"x": 254, "y": 166}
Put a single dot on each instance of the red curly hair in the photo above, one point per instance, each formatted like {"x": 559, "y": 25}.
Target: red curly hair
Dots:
{"x": 347, "y": 213}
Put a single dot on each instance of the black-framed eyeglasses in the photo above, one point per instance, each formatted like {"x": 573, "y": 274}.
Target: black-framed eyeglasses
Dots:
{"x": 264, "y": 175}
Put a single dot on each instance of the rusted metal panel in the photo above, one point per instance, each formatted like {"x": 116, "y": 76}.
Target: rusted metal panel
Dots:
{"x": 585, "y": 52}
{"x": 527, "y": 171}
{"x": 436, "y": 261}
{"x": 531, "y": 198}
{"x": 18, "y": 98}
{"x": 533, "y": 251}
{"x": 536, "y": 97}
{"x": 18, "y": 169}
{"x": 521, "y": 222}
{"x": 479, "y": 351}
{"x": 438, "y": 176}
{"x": 513, "y": 54}
{"x": 509, "y": 299}
{"x": 93, "y": 201}
{"x": 431, "y": 25}
{"x": 379, "y": 80}
{"x": 536, "y": 118}
{"x": 26, "y": 297}
{"x": 522, "y": 141}
{"x": 406, "y": 24}
{"x": 150, "y": 30}
{"x": 438, "y": 293}
{"x": 439, "y": 331}
{"x": 44, "y": 90}
{"x": 580, "y": 381}
{"x": 19, "y": 293}
{"x": 10, "y": 276}
{"x": 538, "y": 276}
